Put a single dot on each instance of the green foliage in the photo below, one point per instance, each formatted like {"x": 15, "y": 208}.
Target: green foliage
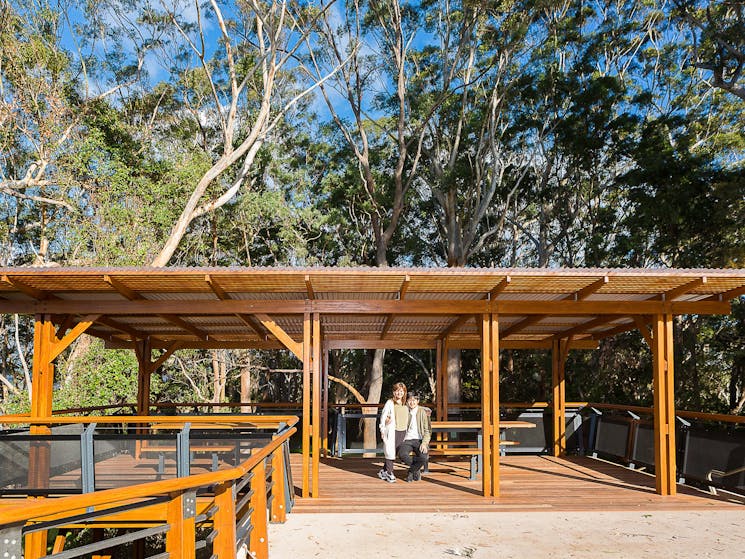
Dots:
{"x": 586, "y": 129}
{"x": 669, "y": 191}
{"x": 100, "y": 377}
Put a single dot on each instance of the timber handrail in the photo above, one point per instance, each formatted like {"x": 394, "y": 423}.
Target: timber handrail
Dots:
{"x": 254, "y": 420}
{"x": 172, "y": 405}
{"x": 292, "y": 405}
{"x": 702, "y": 416}
{"x": 29, "y": 511}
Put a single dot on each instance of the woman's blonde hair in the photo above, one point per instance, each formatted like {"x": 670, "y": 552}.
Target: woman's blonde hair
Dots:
{"x": 402, "y": 386}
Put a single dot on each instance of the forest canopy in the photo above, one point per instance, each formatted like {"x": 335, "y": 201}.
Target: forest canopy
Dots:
{"x": 428, "y": 133}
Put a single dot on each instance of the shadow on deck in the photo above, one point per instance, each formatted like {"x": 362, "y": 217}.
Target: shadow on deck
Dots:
{"x": 528, "y": 483}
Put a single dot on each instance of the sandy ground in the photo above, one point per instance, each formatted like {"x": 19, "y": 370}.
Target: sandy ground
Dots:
{"x": 505, "y": 535}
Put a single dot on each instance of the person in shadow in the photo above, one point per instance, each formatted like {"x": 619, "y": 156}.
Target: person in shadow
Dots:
{"x": 414, "y": 450}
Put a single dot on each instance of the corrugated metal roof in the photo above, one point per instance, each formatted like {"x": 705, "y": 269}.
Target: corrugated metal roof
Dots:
{"x": 201, "y": 305}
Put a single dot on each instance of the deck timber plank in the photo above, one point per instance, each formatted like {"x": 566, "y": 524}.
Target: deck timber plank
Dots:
{"x": 528, "y": 483}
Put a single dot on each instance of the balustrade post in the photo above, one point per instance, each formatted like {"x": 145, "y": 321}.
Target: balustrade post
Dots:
{"x": 181, "y": 536}
{"x": 258, "y": 545}
{"x": 279, "y": 506}
{"x": 224, "y": 545}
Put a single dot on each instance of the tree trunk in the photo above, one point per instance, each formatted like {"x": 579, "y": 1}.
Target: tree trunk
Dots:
{"x": 218, "y": 377}
{"x": 738, "y": 368}
{"x": 454, "y": 379}
{"x": 246, "y": 383}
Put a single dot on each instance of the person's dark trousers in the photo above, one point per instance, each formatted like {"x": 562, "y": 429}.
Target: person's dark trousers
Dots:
{"x": 399, "y": 439}
{"x": 415, "y": 462}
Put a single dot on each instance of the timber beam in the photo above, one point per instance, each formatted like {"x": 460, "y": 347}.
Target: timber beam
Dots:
{"x": 642, "y": 324}
{"x": 134, "y": 296}
{"x": 522, "y": 325}
{"x": 116, "y": 325}
{"x": 216, "y": 288}
{"x": 728, "y": 295}
{"x": 683, "y": 289}
{"x": 454, "y": 325}
{"x": 347, "y": 343}
{"x": 254, "y": 325}
{"x": 501, "y": 286}
{"x": 283, "y": 337}
{"x": 576, "y": 296}
{"x": 61, "y": 344}
{"x": 401, "y": 294}
{"x": 432, "y": 308}
{"x": 32, "y": 292}
{"x": 309, "y": 287}
{"x": 146, "y": 360}
{"x": 588, "y": 289}
{"x": 223, "y": 295}
{"x": 584, "y": 327}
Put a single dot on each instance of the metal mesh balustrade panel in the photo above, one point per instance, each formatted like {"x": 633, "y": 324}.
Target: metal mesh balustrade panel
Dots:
{"x": 644, "y": 445}
{"x": 530, "y": 440}
{"x": 40, "y": 464}
{"x": 353, "y": 433}
{"x": 122, "y": 459}
{"x": 212, "y": 450}
{"x": 612, "y": 436}
{"x": 708, "y": 450}
{"x": 577, "y": 428}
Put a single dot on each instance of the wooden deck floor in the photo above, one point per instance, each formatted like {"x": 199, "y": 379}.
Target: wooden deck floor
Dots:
{"x": 528, "y": 483}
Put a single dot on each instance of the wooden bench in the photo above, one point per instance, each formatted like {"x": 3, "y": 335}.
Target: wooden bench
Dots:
{"x": 469, "y": 448}
{"x": 461, "y": 448}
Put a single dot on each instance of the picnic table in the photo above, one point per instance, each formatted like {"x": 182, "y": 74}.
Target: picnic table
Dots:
{"x": 467, "y": 447}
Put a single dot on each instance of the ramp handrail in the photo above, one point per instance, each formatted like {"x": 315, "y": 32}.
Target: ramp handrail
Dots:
{"x": 237, "y": 519}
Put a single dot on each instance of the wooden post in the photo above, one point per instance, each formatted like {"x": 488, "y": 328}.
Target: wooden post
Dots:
{"x": 143, "y": 351}
{"x": 279, "y": 504}
{"x": 664, "y": 404}
{"x": 440, "y": 366}
{"x": 305, "y": 489}
{"x": 41, "y": 406}
{"x": 486, "y": 406}
{"x": 47, "y": 347}
{"x": 494, "y": 414}
{"x": 325, "y": 404}
{"x": 43, "y": 367}
{"x": 181, "y": 535}
{"x": 445, "y": 379}
{"x": 438, "y": 382}
{"x": 144, "y": 370}
{"x": 316, "y": 376}
{"x": 558, "y": 369}
{"x": 258, "y": 546}
{"x": 224, "y": 521}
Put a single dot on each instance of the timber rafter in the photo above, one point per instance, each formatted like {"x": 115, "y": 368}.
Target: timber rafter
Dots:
{"x": 134, "y": 296}
{"x": 401, "y": 294}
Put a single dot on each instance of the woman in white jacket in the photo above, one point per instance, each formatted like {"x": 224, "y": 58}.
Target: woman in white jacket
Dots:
{"x": 393, "y": 422}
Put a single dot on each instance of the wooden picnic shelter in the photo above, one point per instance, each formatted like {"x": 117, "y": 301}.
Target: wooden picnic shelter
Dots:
{"x": 310, "y": 311}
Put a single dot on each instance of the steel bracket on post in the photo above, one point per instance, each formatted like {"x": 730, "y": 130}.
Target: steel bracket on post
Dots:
{"x": 11, "y": 542}
{"x": 190, "y": 504}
